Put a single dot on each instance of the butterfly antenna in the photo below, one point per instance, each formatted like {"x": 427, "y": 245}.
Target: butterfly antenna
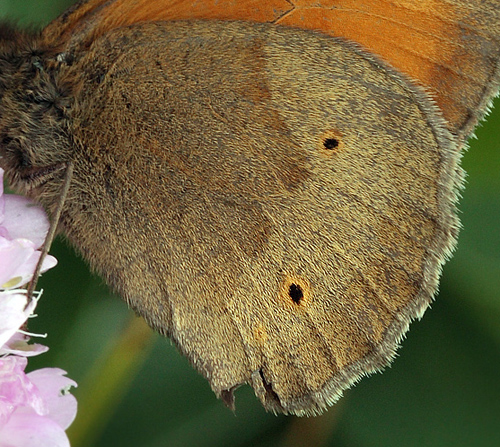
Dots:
{"x": 52, "y": 230}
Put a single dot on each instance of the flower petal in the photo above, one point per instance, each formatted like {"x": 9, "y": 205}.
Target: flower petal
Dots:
{"x": 18, "y": 259}
{"x": 14, "y": 313}
{"x": 53, "y": 387}
{"x": 18, "y": 345}
{"x": 25, "y": 220}
{"x": 16, "y": 388}
{"x": 28, "y": 429}
{"x": 2, "y": 200}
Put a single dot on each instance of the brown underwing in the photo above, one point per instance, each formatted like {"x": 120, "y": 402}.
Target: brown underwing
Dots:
{"x": 277, "y": 200}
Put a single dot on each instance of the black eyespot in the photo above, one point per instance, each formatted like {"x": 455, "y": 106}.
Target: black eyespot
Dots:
{"x": 295, "y": 293}
{"x": 330, "y": 143}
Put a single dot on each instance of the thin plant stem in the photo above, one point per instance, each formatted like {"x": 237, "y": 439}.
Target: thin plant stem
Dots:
{"x": 101, "y": 391}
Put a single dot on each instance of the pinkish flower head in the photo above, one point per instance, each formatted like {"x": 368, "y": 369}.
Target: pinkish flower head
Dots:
{"x": 35, "y": 407}
{"x": 23, "y": 227}
{"x": 14, "y": 311}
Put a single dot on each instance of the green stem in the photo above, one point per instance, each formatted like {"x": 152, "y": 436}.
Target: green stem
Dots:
{"x": 107, "y": 382}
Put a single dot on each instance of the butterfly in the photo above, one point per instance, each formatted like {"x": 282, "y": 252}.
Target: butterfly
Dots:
{"x": 272, "y": 185}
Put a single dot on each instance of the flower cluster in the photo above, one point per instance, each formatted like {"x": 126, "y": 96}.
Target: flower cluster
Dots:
{"x": 35, "y": 407}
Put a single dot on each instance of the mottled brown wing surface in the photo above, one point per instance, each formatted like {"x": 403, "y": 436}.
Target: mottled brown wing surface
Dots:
{"x": 450, "y": 47}
{"x": 300, "y": 200}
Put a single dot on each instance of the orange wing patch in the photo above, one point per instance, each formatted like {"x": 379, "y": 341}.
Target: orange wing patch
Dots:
{"x": 451, "y": 48}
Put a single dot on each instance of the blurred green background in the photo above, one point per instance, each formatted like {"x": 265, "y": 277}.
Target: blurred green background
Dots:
{"x": 135, "y": 390}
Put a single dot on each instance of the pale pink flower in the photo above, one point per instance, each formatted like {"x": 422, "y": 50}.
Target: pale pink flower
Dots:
{"x": 23, "y": 227}
{"x": 18, "y": 345}
{"x": 14, "y": 311}
{"x": 35, "y": 407}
